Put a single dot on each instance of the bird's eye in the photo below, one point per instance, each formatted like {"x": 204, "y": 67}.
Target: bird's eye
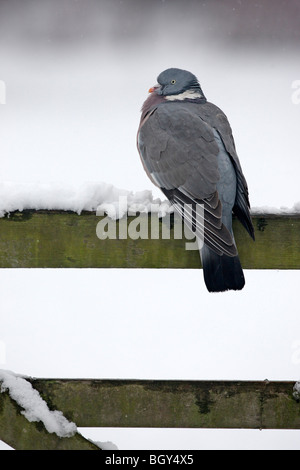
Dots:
{"x": 173, "y": 82}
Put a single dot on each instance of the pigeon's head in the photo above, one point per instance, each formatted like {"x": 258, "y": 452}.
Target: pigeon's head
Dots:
{"x": 177, "y": 84}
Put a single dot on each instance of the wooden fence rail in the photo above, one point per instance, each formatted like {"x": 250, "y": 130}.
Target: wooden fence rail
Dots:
{"x": 150, "y": 403}
{"x": 57, "y": 239}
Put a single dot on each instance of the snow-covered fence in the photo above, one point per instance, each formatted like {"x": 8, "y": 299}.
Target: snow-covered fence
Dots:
{"x": 64, "y": 239}
{"x": 27, "y": 423}
{"x": 149, "y": 403}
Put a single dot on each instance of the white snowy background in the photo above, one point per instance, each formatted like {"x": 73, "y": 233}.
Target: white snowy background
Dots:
{"x": 76, "y": 75}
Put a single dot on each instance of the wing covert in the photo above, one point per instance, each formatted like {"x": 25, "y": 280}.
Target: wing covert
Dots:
{"x": 178, "y": 151}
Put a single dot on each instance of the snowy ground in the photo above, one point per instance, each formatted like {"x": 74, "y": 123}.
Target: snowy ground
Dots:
{"x": 70, "y": 119}
{"x": 139, "y": 324}
{"x": 61, "y": 124}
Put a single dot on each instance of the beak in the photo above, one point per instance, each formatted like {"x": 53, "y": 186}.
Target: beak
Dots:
{"x": 153, "y": 88}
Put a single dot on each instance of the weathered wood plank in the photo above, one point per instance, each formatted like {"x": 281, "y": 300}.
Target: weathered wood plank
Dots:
{"x": 52, "y": 239}
{"x": 173, "y": 404}
{"x": 149, "y": 403}
{"x": 21, "y": 434}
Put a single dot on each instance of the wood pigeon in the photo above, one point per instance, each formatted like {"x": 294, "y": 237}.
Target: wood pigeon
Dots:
{"x": 187, "y": 150}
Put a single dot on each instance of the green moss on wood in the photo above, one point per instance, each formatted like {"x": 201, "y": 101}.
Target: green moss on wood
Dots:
{"x": 150, "y": 403}
{"x": 21, "y": 434}
{"x": 133, "y": 403}
{"x": 53, "y": 239}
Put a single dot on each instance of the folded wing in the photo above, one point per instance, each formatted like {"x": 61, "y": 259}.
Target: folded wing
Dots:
{"x": 179, "y": 153}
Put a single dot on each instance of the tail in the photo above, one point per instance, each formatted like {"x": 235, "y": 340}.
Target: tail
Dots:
{"x": 221, "y": 272}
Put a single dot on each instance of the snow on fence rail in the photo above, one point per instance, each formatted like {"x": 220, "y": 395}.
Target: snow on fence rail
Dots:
{"x": 37, "y": 235}
{"x": 55, "y": 225}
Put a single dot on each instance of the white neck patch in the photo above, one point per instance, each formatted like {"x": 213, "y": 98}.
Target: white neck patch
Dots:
{"x": 188, "y": 94}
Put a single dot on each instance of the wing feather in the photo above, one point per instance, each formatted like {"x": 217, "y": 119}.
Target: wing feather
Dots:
{"x": 179, "y": 153}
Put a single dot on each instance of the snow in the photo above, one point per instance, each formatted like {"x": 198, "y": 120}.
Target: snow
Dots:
{"x": 94, "y": 196}
{"x": 282, "y": 210}
{"x": 128, "y": 323}
{"x": 98, "y": 196}
{"x": 154, "y": 324}
{"x": 35, "y": 408}
{"x": 107, "y": 445}
{"x": 71, "y": 116}
{"x": 296, "y": 393}
{"x": 70, "y": 129}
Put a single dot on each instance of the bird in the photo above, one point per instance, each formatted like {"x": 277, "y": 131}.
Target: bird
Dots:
{"x": 187, "y": 149}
